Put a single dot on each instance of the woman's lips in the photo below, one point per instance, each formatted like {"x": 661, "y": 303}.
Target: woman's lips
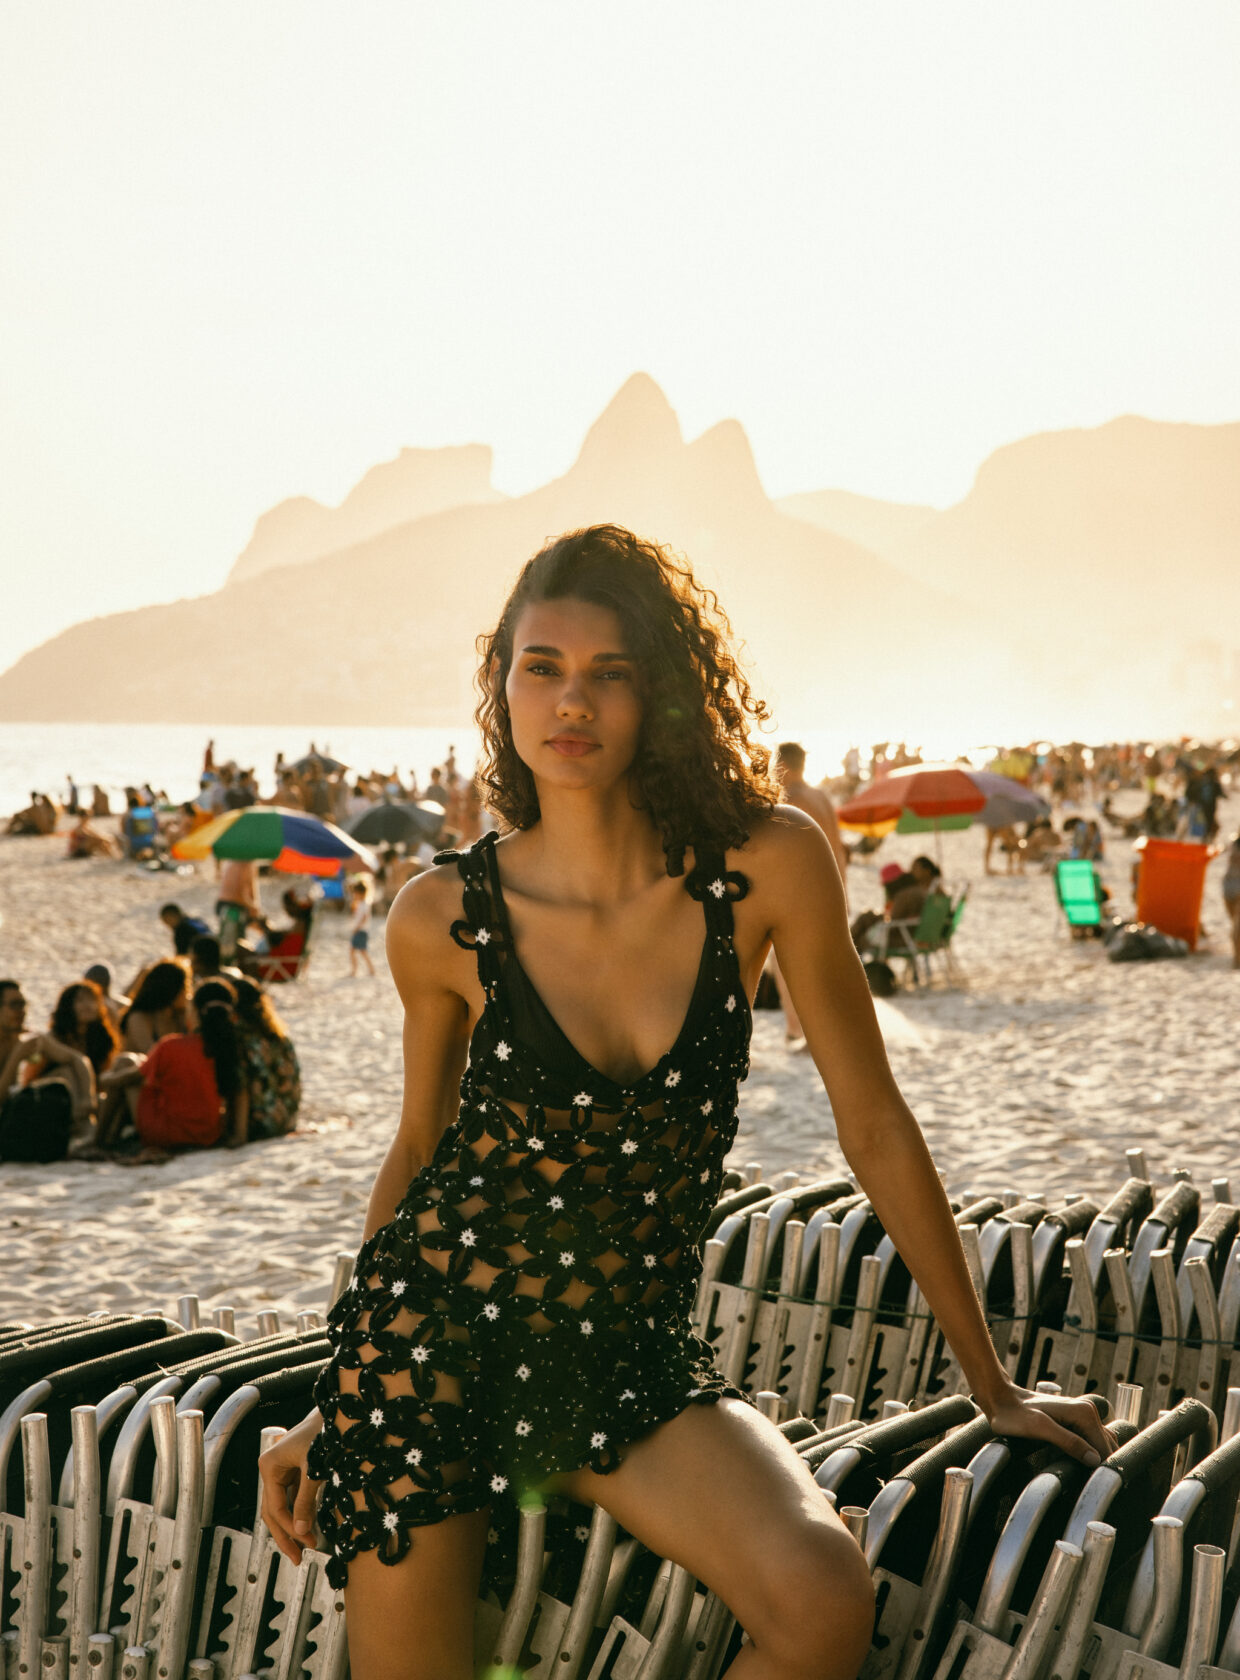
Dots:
{"x": 573, "y": 749}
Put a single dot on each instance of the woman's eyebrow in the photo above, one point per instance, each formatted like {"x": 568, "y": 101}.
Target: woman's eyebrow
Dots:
{"x": 557, "y": 653}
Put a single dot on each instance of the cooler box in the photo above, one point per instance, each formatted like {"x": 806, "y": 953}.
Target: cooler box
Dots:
{"x": 1170, "y": 886}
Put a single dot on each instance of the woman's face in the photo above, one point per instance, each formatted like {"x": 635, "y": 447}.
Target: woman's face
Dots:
{"x": 85, "y": 1008}
{"x": 572, "y": 694}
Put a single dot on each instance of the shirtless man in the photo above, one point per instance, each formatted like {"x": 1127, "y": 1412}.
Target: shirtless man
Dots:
{"x": 238, "y": 903}
{"x": 790, "y": 774}
{"x": 15, "y": 1046}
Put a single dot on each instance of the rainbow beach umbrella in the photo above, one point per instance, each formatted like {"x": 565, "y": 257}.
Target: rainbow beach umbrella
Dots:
{"x": 291, "y": 841}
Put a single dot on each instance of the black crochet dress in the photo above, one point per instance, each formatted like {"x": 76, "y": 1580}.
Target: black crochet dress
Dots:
{"x": 527, "y": 1309}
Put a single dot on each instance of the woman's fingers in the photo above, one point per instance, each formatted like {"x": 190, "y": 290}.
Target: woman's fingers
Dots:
{"x": 1078, "y": 1429}
{"x": 304, "y": 1508}
{"x": 282, "y": 1471}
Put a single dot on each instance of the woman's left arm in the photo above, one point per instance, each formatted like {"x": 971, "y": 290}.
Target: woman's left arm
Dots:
{"x": 801, "y": 896}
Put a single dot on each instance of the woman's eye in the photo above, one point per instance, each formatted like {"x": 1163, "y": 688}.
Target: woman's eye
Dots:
{"x": 622, "y": 675}
{"x": 540, "y": 670}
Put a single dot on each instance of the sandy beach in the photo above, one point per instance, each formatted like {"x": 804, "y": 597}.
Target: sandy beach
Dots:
{"x": 1035, "y": 1074}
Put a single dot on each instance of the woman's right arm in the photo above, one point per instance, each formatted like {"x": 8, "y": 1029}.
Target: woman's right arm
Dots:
{"x": 426, "y": 968}
{"x": 421, "y": 957}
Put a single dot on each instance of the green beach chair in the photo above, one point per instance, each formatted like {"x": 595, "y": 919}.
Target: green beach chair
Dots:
{"x": 1076, "y": 887}
{"x": 951, "y": 967}
{"x": 920, "y": 939}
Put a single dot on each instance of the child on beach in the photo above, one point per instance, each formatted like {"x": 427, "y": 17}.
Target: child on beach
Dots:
{"x": 359, "y": 927}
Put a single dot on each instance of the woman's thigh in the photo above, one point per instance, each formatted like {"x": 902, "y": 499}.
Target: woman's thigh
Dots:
{"x": 719, "y": 1490}
{"x": 414, "y": 1620}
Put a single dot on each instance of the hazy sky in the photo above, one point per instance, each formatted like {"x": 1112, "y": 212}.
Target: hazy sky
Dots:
{"x": 249, "y": 251}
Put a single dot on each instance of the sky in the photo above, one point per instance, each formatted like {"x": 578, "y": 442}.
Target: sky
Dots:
{"x": 249, "y": 251}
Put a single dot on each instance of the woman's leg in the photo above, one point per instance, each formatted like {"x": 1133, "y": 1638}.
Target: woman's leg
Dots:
{"x": 79, "y": 1078}
{"x": 121, "y": 1084}
{"x": 414, "y": 1620}
{"x": 719, "y": 1490}
{"x": 1234, "y": 907}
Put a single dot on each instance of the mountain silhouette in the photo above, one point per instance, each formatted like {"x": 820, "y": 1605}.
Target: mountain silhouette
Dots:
{"x": 974, "y": 612}
{"x": 418, "y": 482}
{"x": 1108, "y": 555}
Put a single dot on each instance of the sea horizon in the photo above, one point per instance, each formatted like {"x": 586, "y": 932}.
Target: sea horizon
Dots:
{"x": 41, "y": 756}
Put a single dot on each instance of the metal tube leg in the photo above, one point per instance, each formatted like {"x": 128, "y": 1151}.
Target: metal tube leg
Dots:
{"x": 1078, "y": 1624}
{"x": 1205, "y": 1604}
{"x": 512, "y": 1631}
{"x": 36, "y": 1542}
{"x": 1168, "y": 1579}
{"x": 1039, "y": 1629}
{"x": 940, "y": 1572}
{"x": 87, "y": 1496}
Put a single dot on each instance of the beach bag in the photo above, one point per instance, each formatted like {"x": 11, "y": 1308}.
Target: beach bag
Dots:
{"x": 35, "y": 1123}
{"x": 1139, "y": 942}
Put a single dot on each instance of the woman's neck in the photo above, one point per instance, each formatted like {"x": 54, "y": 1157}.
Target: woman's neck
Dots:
{"x": 595, "y": 846}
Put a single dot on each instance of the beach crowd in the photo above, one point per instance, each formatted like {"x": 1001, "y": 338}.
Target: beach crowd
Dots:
{"x": 191, "y": 1052}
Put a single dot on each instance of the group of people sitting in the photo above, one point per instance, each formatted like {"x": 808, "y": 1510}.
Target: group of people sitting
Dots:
{"x": 194, "y": 1056}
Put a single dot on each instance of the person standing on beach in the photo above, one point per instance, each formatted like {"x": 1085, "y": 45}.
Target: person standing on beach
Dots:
{"x": 790, "y": 774}
{"x": 359, "y": 927}
{"x": 238, "y": 903}
{"x": 1231, "y": 897}
{"x": 576, "y": 1025}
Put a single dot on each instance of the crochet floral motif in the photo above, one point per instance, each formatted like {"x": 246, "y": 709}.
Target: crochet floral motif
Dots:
{"x": 527, "y": 1309}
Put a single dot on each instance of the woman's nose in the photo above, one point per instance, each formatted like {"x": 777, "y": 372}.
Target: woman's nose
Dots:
{"x": 573, "y": 702}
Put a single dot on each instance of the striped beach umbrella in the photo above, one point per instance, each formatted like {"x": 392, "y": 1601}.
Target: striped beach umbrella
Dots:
{"x": 291, "y": 841}
{"x": 923, "y": 798}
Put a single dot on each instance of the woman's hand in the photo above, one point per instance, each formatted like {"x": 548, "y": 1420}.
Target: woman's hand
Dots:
{"x": 290, "y": 1497}
{"x": 1072, "y": 1424}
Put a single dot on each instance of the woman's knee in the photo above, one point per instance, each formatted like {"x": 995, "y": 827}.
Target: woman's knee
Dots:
{"x": 815, "y": 1604}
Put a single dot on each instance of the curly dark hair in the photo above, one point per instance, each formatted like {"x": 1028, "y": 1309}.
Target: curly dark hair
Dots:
{"x": 696, "y": 771}
{"x": 97, "y": 1041}
{"x": 160, "y": 987}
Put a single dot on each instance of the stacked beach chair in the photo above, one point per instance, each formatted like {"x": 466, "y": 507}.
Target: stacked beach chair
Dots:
{"x": 130, "y": 1542}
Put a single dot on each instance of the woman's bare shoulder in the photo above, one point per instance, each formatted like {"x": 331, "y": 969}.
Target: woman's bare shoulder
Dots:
{"x": 777, "y": 841}
{"x": 419, "y": 924}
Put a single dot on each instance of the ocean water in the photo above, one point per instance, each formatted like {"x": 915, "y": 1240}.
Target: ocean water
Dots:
{"x": 169, "y": 756}
{"x": 39, "y": 756}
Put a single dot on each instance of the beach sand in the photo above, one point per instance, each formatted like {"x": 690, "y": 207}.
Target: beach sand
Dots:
{"x": 1034, "y": 1075}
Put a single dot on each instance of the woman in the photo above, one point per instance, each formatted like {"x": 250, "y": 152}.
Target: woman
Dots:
{"x": 192, "y": 1091}
{"x": 157, "y": 1009}
{"x": 80, "y": 1022}
{"x": 519, "y": 1319}
{"x": 75, "y": 1051}
{"x": 269, "y": 1063}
